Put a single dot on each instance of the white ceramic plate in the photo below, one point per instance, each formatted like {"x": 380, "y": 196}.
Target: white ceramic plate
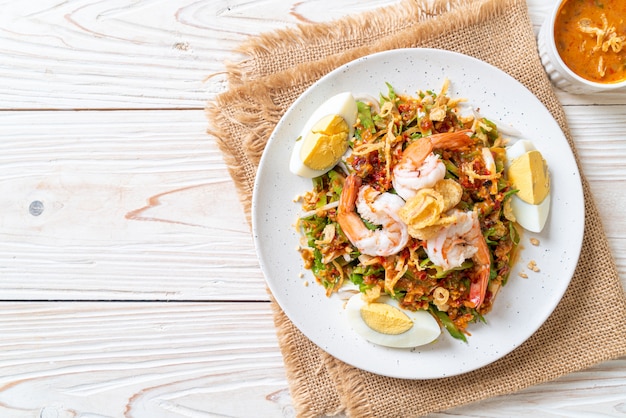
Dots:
{"x": 521, "y": 306}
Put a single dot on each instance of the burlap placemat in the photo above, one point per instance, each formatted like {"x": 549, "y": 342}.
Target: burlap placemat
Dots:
{"x": 587, "y": 327}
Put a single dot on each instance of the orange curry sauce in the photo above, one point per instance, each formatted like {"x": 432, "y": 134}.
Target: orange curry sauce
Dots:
{"x": 590, "y": 36}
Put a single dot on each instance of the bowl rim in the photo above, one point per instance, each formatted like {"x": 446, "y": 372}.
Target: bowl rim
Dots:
{"x": 551, "y": 19}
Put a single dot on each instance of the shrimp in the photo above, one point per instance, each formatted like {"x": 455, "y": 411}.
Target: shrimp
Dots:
{"x": 419, "y": 167}
{"x": 377, "y": 208}
{"x": 459, "y": 241}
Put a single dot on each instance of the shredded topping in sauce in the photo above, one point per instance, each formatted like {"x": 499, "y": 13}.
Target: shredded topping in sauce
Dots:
{"x": 606, "y": 37}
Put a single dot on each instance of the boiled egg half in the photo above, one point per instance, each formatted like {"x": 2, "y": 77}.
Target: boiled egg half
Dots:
{"x": 528, "y": 171}
{"x": 383, "y": 322}
{"x": 324, "y": 137}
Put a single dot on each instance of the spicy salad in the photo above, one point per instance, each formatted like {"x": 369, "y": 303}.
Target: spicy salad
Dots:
{"x": 416, "y": 209}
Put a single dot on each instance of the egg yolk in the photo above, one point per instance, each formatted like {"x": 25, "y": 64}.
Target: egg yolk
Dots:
{"x": 385, "y": 319}
{"x": 326, "y": 143}
{"x": 529, "y": 174}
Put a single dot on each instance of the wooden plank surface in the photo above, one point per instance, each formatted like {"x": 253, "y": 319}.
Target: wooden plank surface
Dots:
{"x": 136, "y": 291}
{"x": 135, "y": 207}
{"x": 139, "y": 360}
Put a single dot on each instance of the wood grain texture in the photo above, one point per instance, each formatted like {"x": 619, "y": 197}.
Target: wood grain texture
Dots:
{"x": 134, "y": 207}
{"x": 154, "y": 54}
{"x": 140, "y": 360}
{"x": 150, "y": 54}
{"x": 142, "y": 245}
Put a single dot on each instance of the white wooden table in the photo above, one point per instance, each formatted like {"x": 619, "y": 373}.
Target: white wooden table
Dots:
{"x": 129, "y": 284}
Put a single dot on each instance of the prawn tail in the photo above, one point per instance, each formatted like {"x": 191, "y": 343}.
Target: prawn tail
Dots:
{"x": 478, "y": 288}
{"x": 348, "y": 220}
{"x": 416, "y": 153}
{"x": 349, "y": 194}
{"x": 451, "y": 140}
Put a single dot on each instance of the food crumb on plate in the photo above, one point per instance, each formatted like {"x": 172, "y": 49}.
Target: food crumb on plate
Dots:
{"x": 533, "y": 266}
{"x": 534, "y": 241}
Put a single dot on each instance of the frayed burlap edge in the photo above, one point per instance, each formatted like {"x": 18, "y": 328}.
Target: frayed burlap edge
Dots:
{"x": 334, "y": 36}
{"x": 308, "y": 399}
{"x": 259, "y": 120}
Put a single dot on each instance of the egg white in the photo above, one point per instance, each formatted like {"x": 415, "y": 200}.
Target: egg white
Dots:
{"x": 530, "y": 217}
{"x": 425, "y": 328}
{"x": 342, "y": 104}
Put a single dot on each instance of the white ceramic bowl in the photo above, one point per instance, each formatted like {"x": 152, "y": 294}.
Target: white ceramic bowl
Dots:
{"x": 559, "y": 73}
